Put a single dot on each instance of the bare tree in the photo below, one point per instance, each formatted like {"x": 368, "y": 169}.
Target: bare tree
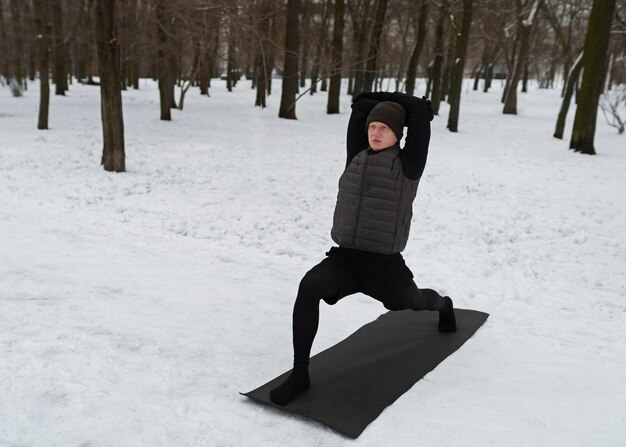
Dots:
{"x": 510, "y": 46}
{"x": 232, "y": 73}
{"x": 4, "y": 50}
{"x": 570, "y": 84}
{"x": 617, "y": 67}
{"x": 374, "y": 44}
{"x": 290, "y": 70}
{"x": 262, "y": 73}
{"x": 274, "y": 33}
{"x": 166, "y": 57}
{"x": 337, "y": 56}
{"x": 44, "y": 29}
{"x": 595, "y": 61}
{"x": 130, "y": 36}
{"x": 306, "y": 25}
{"x": 613, "y": 106}
{"x": 420, "y": 37}
{"x": 210, "y": 33}
{"x": 397, "y": 43}
{"x": 186, "y": 42}
{"x": 524, "y": 28}
{"x": 18, "y": 42}
{"x": 321, "y": 45}
{"x": 187, "y": 80}
{"x": 437, "y": 64}
{"x": 59, "y": 73}
{"x": 456, "y": 81}
{"x": 489, "y": 27}
{"x": 359, "y": 11}
{"x": 82, "y": 48}
{"x": 113, "y": 156}
{"x": 565, "y": 19}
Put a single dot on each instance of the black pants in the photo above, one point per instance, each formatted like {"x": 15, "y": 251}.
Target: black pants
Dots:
{"x": 344, "y": 272}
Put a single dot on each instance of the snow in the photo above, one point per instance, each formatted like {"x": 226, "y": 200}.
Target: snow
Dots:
{"x": 134, "y": 307}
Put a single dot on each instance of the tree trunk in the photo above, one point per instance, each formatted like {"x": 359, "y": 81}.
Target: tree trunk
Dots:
{"x": 477, "y": 71}
{"x": 166, "y": 82}
{"x": 306, "y": 26}
{"x": 44, "y": 30}
{"x": 213, "y": 23}
{"x": 4, "y": 71}
{"x": 203, "y": 80}
{"x": 80, "y": 50}
{"x": 337, "y": 55}
{"x": 488, "y": 78}
{"x": 230, "y": 61}
{"x": 261, "y": 72}
{"x": 203, "y": 75}
{"x": 374, "y": 44}
{"x": 484, "y": 62}
{"x": 203, "y": 57}
{"x": 489, "y": 63}
{"x": 595, "y": 59}
{"x": 18, "y": 72}
{"x": 510, "y": 98}
{"x": 173, "y": 66}
{"x": 322, "y": 42}
{"x": 271, "y": 57}
{"x": 447, "y": 70}
{"x": 397, "y": 65}
{"x": 184, "y": 87}
{"x": 188, "y": 81}
{"x": 567, "y": 96}
{"x": 113, "y": 157}
{"x": 60, "y": 73}
{"x": 417, "y": 50}
{"x": 438, "y": 62}
{"x": 456, "y": 80}
{"x": 260, "y": 81}
{"x": 123, "y": 66}
{"x": 524, "y": 29}
{"x": 609, "y": 75}
{"x": 92, "y": 52}
{"x": 360, "y": 17}
{"x": 290, "y": 70}
{"x": 135, "y": 62}
{"x": 351, "y": 82}
{"x": 509, "y": 60}
{"x": 525, "y": 78}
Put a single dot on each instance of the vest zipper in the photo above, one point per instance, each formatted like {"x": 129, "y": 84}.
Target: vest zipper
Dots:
{"x": 399, "y": 209}
{"x": 361, "y": 193}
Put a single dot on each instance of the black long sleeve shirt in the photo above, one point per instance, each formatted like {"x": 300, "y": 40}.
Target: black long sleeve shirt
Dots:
{"x": 415, "y": 151}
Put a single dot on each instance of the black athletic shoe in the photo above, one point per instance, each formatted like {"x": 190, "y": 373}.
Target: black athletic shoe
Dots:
{"x": 447, "y": 322}
{"x": 297, "y": 382}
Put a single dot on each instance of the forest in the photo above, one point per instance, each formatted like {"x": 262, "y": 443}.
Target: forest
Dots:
{"x": 170, "y": 170}
{"x": 573, "y": 45}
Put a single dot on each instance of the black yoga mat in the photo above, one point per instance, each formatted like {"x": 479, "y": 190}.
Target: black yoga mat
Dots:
{"x": 353, "y": 381}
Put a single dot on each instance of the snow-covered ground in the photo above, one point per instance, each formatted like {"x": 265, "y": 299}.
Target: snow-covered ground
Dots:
{"x": 134, "y": 307}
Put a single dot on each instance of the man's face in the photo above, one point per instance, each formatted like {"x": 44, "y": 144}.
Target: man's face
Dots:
{"x": 380, "y": 136}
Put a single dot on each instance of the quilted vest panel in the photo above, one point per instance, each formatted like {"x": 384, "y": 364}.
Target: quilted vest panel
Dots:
{"x": 374, "y": 203}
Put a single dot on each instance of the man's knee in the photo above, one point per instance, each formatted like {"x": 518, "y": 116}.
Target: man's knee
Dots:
{"x": 318, "y": 283}
{"x": 404, "y": 298}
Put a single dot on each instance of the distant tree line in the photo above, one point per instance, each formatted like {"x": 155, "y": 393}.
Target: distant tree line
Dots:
{"x": 374, "y": 44}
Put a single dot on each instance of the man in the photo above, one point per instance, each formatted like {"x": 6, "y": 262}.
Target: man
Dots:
{"x": 371, "y": 225}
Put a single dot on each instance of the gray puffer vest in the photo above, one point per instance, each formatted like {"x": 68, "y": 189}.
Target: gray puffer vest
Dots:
{"x": 374, "y": 203}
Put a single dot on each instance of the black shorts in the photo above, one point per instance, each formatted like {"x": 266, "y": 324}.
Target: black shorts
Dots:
{"x": 385, "y": 278}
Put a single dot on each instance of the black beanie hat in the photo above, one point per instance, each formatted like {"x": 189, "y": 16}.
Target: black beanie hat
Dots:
{"x": 390, "y": 113}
